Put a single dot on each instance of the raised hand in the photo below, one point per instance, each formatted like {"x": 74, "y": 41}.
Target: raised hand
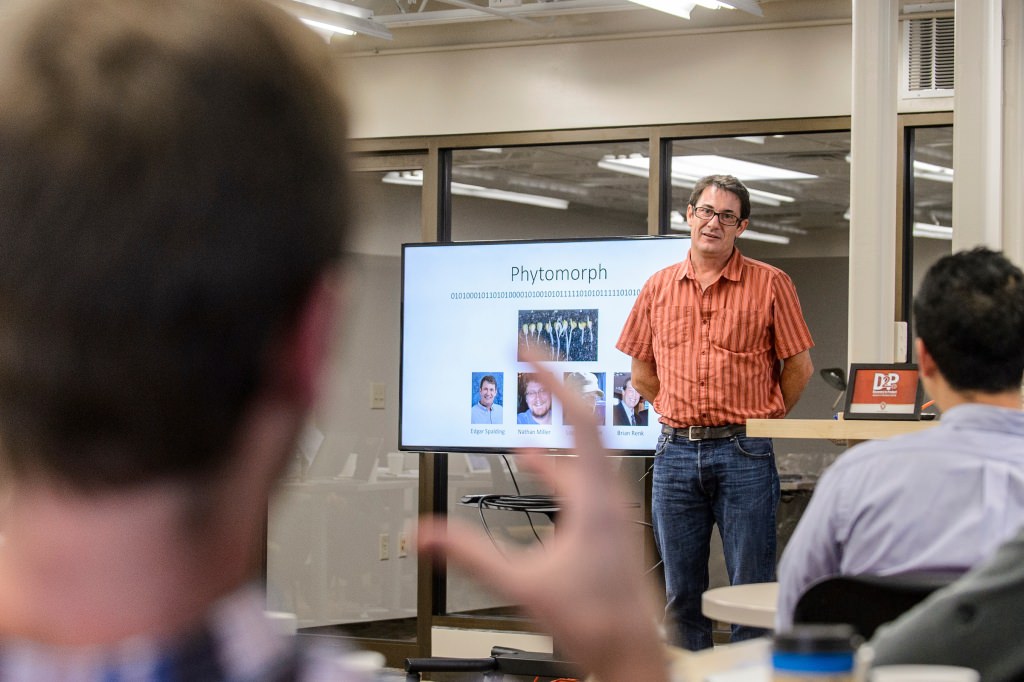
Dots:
{"x": 584, "y": 585}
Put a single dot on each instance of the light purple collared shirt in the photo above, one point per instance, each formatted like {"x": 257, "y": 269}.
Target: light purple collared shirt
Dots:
{"x": 942, "y": 499}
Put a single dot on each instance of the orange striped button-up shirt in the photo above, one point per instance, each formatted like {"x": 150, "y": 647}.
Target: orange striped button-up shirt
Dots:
{"x": 716, "y": 351}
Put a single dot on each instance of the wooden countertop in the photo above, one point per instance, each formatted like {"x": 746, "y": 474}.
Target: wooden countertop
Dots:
{"x": 833, "y": 429}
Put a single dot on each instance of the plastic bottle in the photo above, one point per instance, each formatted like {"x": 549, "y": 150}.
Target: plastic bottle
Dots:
{"x": 818, "y": 653}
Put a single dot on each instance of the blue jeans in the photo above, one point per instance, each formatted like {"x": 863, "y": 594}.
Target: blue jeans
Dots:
{"x": 729, "y": 481}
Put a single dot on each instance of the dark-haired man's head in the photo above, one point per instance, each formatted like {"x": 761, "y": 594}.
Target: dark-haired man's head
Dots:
{"x": 488, "y": 390}
{"x": 172, "y": 189}
{"x": 728, "y": 183}
{"x": 630, "y": 396}
{"x": 173, "y": 202}
{"x": 969, "y": 315}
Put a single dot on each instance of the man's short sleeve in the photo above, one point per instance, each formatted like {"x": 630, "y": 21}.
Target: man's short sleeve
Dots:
{"x": 636, "y": 339}
{"x": 791, "y": 333}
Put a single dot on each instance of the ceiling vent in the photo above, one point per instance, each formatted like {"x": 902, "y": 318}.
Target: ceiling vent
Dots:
{"x": 927, "y": 57}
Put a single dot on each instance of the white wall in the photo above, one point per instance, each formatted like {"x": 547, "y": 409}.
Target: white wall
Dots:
{"x": 774, "y": 73}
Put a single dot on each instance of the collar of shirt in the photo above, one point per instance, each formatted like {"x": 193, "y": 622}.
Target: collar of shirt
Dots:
{"x": 984, "y": 417}
{"x": 733, "y": 268}
{"x": 236, "y": 642}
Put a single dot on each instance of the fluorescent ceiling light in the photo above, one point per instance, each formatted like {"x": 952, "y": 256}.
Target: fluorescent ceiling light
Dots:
{"x": 503, "y": 195}
{"x": 324, "y": 27}
{"x": 335, "y": 17}
{"x": 925, "y": 230}
{"x": 675, "y": 7}
{"x": 780, "y": 227}
{"x": 699, "y": 165}
{"x": 416, "y": 178}
{"x": 681, "y": 8}
{"x": 687, "y": 170}
{"x": 750, "y": 6}
{"x": 339, "y": 8}
{"x": 714, "y": 4}
{"x": 933, "y": 231}
{"x": 468, "y": 11}
{"x": 678, "y": 223}
{"x": 930, "y": 171}
{"x": 756, "y": 236}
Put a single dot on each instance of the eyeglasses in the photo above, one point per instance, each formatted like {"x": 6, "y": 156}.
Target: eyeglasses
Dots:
{"x": 724, "y": 219}
{"x": 530, "y": 395}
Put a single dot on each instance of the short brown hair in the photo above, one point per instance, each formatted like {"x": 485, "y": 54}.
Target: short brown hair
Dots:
{"x": 172, "y": 184}
{"x": 727, "y": 182}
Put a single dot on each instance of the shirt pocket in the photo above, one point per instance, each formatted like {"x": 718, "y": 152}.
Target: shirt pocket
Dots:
{"x": 671, "y": 326}
{"x": 741, "y": 331}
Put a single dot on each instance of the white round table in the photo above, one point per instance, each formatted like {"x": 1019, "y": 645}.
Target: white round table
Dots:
{"x": 752, "y": 604}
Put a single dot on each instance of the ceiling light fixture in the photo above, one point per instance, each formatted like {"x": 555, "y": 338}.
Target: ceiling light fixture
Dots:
{"x": 674, "y": 7}
{"x": 335, "y": 17}
{"x": 749, "y": 6}
{"x": 321, "y": 26}
{"x": 780, "y": 227}
{"x": 699, "y": 165}
{"x": 677, "y": 223}
{"x": 926, "y": 230}
{"x": 415, "y": 178}
{"x": 933, "y": 231}
{"x": 682, "y": 8}
{"x": 687, "y": 170}
{"x": 930, "y": 171}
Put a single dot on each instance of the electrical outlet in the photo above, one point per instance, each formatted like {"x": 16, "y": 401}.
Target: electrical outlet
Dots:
{"x": 385, "y": 543}
{"x": 403, "y": 546}
{"x": 378, "y": 392}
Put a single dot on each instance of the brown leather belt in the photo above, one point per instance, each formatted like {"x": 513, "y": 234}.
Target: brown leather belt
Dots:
{"x": 689, "y": 433}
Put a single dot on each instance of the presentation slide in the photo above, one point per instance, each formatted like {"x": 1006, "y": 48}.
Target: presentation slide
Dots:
{"x": 471, "y": 310}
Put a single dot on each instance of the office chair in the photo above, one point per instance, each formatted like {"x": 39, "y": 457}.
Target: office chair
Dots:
{"x": 866, "y": 601}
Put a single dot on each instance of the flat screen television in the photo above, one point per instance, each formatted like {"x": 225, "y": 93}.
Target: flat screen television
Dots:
{"x": 471, "y": 309}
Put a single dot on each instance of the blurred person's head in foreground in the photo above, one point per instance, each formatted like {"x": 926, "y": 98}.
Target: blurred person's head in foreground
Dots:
{"x": 173, "y": 203}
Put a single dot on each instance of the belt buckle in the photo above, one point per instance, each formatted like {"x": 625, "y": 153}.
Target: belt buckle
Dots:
{"x": 689, "y": 433}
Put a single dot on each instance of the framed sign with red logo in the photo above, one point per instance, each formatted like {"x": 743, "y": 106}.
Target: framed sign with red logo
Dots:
{"x": 883, "y": 391}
